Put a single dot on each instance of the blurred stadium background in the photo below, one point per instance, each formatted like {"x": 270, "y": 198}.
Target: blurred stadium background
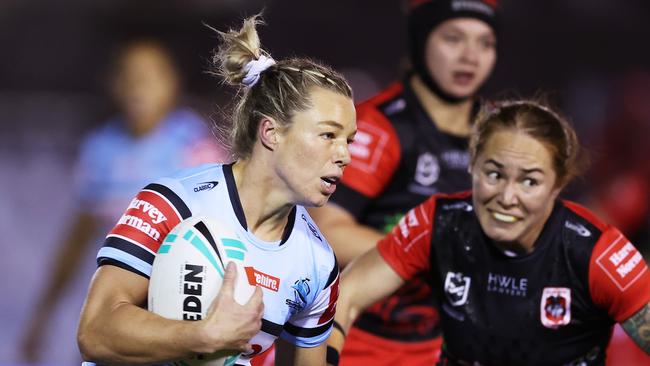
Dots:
{"x": 589, "y": 56}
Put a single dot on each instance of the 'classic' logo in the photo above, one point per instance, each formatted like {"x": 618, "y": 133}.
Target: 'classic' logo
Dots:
{"x": 205, "y": 186}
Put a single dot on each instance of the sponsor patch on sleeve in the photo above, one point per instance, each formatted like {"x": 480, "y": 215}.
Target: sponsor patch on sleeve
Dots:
{"x": 622, "y": 263}
{"x": 147, "y": 220}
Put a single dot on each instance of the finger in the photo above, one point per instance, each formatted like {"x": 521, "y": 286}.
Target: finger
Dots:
{"x": 255, "y": 299}
{"x": 247, "y": 348}
{"x": 228, "y": 285}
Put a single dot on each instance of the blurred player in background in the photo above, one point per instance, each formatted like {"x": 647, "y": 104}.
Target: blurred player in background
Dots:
{"x": 619, "y": 188}
{"x": 151, "y": 137}
{"x": 291, "y": 128}
{"x": 412, "y": 142}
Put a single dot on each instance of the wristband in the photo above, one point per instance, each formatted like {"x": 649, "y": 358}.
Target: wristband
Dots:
{"x": 333, "y": 356}
{"x": 339, "y": 327}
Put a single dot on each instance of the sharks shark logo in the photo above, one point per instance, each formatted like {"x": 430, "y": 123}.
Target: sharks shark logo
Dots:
{"x": 301, "y": 290}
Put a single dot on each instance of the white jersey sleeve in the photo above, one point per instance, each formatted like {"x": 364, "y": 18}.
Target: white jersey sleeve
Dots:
{"x": 313, "y": 324}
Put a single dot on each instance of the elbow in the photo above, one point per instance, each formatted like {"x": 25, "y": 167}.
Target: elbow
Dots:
{"x": 84, "y": 342}
{"x": 88, "y": 344}
{"x": 346, "y": 310}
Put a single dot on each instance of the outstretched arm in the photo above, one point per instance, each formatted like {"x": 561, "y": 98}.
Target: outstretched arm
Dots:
{"x": 114, "y": 327}
{"x": 638, "y": 328}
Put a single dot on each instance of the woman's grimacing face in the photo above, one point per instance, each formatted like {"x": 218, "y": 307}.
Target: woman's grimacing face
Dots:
{"x": 313, "y": 151}
{"x": 514, "y": 188}
{"x": 460, "y": 55}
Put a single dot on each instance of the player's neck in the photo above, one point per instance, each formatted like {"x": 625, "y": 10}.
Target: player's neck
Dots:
{"x": 453, "y": 119}
{"x": 266, "y": 213}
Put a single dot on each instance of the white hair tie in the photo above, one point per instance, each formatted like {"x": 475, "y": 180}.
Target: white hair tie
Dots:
{"x": 254, "y": 68}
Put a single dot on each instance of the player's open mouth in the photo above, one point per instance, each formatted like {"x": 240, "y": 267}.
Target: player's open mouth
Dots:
{"x": 330, "y": 181}
{"x": 504, "y": 217}
{"x": 463, "y": 77}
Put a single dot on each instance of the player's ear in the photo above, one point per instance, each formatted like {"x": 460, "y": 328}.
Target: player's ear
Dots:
{"x": 268, "y": 131}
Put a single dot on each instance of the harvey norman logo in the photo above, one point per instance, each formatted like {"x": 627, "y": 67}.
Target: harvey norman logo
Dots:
{"x": 256, "y": 277}
{"x": 156, "y": 216}
{"x": 622, "y": 263}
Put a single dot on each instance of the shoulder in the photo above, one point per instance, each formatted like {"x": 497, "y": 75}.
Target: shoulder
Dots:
{"x": 310, "y": 232}
{"x": 457, "y": 204}
{"x": 580, "y": 228}
{"x": 322, "y": 253}
{"x": 178, "y": 186}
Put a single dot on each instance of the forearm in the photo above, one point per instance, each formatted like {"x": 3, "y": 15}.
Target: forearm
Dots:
{"x": 128, "y": 334}
{"x": 638, "y": 328}
{"x": 115, "y": 328}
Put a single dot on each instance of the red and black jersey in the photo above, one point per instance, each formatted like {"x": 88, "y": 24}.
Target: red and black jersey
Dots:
{"x": 399, "y": 158}
{"x": 553, "y": 306}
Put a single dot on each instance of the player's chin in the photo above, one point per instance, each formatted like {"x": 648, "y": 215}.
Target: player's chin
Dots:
{"x": 503, "y": 235}
{"x": 320, "y": 202}
{"x": 317, "y": 200}
{"x": 463, "y": 92}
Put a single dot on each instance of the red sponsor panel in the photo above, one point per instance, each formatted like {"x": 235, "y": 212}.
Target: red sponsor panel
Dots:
{"x": 621, "y": 262}
{"x": 147, "y": 220}
{"x": 331, "y": 307}
{"x": 262, "y": 279}
{"x": 619, "y": 279}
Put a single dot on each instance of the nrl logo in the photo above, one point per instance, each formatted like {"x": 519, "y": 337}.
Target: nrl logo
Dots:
{"x": 457, "y": 288}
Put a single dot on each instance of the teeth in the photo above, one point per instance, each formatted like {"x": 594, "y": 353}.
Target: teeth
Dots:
{"x": 503, "y": 217}
{"x": 327, "y": 183}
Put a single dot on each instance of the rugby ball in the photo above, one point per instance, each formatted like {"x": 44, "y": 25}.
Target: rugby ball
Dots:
{"x": 188, "y": 272}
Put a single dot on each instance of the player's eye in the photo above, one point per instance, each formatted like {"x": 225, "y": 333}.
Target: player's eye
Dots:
{"x": 530, "y": 182}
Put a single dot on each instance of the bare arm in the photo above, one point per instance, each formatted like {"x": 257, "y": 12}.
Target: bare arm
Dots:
{"x": 349, "y": 238}
{"x": 114, "y": 328}
{"x": 66, "y": 261}
{"x": 301, "y": 356}
{"x": 365, "y": 281}
{"x": 638, "y": 328}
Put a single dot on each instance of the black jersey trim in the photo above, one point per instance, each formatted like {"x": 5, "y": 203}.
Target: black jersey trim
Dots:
{"x": 307, "y": 332}
{"x": 234, "y": 195}
{"x": 333, "y": 274}
{"x": 128, "y": 247}
{"x": 200, "y": 226}
{"x": 271, "y": 328}
{"x": 176, "y": 201}
{"x": 286, "y": 233}
{"x": 103, "y": 261}
{"x": 239, "y": 210}
{"x": 350, "y": 200}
